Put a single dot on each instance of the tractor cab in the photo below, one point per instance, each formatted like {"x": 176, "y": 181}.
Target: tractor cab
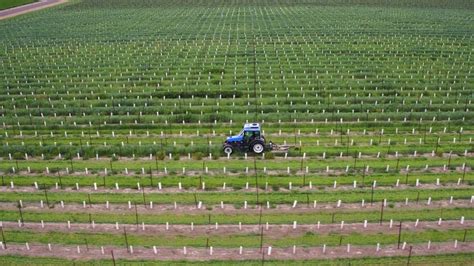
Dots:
{"x": 248, "y": 139}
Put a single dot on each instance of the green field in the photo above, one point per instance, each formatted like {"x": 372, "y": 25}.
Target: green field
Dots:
{"x": 129, "y": 102}
{"x": 5, "y": 4}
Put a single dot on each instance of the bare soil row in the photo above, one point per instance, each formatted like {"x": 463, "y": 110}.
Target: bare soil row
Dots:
{"x": 276, "y": 230}
{"x": 204, "y": 254}
{"x": 301, "y": 207}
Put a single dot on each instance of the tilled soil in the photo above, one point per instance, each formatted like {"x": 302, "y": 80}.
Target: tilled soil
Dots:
{"x": 228, "y": 208}
{"x": 277, "y": 230}
{"x": 203, "y": 254}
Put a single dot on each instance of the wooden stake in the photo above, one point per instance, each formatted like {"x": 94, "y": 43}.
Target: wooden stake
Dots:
{"x": 126, "y": 239}
{"x": 381, "y": 214}
{"x": 60, "y": 180}
{"x": 355, "y": 160}
{"x": 372, "y": 196}
{"x": 46, "y": 196}
{"x": 399, "y": 235}
{"x": 21, "y": 213}
{"x": 113, "y": 257}
{"x": 89, "y": 198}
{"x": 409, "y": 255}
{"x": 136, "y": 214}
{"x": 151, "y": 178}
{"x": 363, "y": 176}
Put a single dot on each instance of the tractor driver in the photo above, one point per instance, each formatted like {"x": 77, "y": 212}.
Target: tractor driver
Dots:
{"x": 249, "y": 136}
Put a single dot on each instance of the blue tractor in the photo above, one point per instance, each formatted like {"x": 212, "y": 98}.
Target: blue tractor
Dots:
{"x": 250, "y": 139}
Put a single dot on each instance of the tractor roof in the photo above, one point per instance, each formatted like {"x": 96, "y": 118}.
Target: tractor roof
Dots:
{"x": 252, "y": 127}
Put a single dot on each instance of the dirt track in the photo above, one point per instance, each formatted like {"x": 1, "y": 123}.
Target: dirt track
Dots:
{"x": 202, "y": 254}
{"x": 228, "y": 208}
{"x": 19, "y": 10}
{"x": 273, "y": 229}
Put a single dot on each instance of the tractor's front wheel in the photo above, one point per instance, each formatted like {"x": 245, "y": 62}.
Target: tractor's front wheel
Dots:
{"x": 258, "y": 148}
{"x": 228, "y": 149}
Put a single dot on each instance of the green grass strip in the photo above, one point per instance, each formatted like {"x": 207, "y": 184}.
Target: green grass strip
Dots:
{"x": 237, "y": 182}
{"x": 229, "y": 241}
{"x": 207, "y": 217}
{"x": 238, "y": 198}
{"x": 4, "y": 4}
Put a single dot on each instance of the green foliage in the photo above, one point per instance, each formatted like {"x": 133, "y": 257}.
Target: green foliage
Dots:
{"x": 5, "y": 4}
{"x": 123, "y": 79}
{"x": 198, "y": 156}
{"x": 160, "y": 156}
{"x": 269, "y": 155}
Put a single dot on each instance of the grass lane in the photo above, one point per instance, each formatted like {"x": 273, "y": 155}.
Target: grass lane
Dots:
{"x": 238, "y": 198}
{"x": 5, "y": 4}
{"x": 207, "y": 217}
{"x": 443, "y": 259}
{"x": 213, "y": 182}
{"x": 235, "y": 165}
{"x": 308, "y": 239}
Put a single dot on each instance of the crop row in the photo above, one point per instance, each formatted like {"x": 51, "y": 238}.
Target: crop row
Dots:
{"x": 238, "y": 198}
{"x": 213, "y": 182}
{"x": 307, "y": 240}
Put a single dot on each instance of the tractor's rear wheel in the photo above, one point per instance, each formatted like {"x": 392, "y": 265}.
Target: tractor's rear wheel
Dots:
{"x": 258, "y": 148}
{"x": 228, "y": 150}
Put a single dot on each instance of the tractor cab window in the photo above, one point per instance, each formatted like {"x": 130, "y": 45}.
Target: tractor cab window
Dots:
{"x": 251, "y": 135}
